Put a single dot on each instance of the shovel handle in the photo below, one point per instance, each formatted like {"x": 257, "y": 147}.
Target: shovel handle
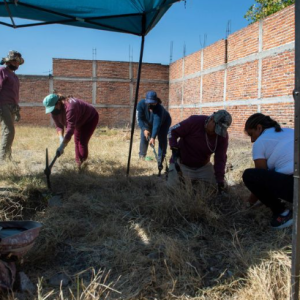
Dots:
{"x": 53, "y": 161}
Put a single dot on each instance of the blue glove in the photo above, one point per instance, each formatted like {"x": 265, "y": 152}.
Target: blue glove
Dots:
{"x": 60, "y": 150}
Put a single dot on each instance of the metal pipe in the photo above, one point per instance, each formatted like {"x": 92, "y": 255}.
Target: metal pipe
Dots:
{"x": 296, "y": 227}
{"x": 136, "y": 96}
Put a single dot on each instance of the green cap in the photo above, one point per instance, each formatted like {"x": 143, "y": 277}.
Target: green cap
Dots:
{"x": 49, "y": 102}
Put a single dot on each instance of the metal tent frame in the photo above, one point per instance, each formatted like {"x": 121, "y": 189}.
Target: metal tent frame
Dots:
{"x": 296, "y": 226}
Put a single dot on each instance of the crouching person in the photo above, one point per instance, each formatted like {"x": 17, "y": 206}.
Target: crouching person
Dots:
{"x": 272, "y": 178}
{"x": 194, "y": 140}
{"x": 79, "y": 118}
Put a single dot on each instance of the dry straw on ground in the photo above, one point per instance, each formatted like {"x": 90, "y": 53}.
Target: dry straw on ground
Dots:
{"x": 132, "y": 238}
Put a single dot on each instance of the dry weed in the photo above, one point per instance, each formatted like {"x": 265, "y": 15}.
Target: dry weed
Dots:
{"x": 145, "y": 240}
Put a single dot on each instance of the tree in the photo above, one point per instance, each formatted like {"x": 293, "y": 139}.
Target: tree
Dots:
{"x": 264, "y": 8}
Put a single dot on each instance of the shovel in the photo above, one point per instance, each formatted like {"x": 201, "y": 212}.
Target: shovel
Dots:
{"x": 47, "y": 171}
{"x": 156, "y": 157}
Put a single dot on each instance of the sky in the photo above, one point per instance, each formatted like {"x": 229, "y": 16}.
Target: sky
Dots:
{"x": 183, "y": 26}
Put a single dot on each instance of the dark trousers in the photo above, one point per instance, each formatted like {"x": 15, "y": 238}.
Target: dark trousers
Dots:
{"x": 269, "y": 187}
{"x": 162, "y": 137}
{"x": 82, "y": 137}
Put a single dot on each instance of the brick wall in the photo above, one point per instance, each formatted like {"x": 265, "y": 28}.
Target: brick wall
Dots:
{"x": 108, "y": 85}
{"x": 252, "y": 71}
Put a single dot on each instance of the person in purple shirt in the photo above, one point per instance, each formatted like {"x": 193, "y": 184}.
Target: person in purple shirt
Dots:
{"x": 194, "y": 140}
{"x": 9, "y": 101}
{"x": 79, "y": 118}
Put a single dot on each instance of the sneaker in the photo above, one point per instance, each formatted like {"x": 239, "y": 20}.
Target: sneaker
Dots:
{"x": 279, "y": 221}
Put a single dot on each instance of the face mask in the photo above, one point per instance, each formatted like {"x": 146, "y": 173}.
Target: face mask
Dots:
{"x": 56, "y": 112}
{"x": 13, "y": 68}
{"x": 151, "y": 106}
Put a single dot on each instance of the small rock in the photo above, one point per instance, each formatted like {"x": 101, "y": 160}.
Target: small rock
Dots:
{"x": 59, "y": 279}
{"x": 25, "y": 284}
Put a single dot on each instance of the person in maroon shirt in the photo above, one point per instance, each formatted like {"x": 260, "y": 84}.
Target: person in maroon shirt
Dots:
{"x": 194, "y": 140}
{"x": 9, "y": 101}
{"x": 79, "y": 118}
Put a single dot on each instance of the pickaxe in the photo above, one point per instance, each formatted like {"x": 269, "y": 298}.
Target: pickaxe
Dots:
{"x": 47, "y": 171}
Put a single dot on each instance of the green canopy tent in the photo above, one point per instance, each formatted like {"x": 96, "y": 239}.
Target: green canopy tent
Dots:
{"x": 136, "y": 17}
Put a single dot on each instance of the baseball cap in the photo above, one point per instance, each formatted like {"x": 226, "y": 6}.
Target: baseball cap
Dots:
{"x": 49, "y": 102}
{"x": 223, "y": 120}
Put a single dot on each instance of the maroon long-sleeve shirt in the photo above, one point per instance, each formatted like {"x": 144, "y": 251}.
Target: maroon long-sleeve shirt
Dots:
{"x": 74, "y": 114}
{"x": 9, "y": 87}
{"x": 190, "y": 137}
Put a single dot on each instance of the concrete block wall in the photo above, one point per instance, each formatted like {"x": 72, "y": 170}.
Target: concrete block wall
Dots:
{"x": 252, "y": 71}
{"x": 109, "y": 86}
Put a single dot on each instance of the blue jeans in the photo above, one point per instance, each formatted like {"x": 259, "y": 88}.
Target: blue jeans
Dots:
{"x": 162, "y": 137}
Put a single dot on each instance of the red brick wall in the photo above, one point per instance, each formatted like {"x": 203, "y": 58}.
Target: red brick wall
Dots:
{"x": 248, "y": 76}
{"x": 112, "y": 84}
{"x": 33, "y": 88}
{"x": 242, "y": 82}
{"x": 213, "y": 87}
{"x": 72, "y": 68}
{"x": 243, "y": 42}
{"x": 278, "y": 75}
{"x": 214, "y": 55}
{"x": 279, "y": 29}
{"x": 257, "y": 76}
{"x": 192, "y": 63}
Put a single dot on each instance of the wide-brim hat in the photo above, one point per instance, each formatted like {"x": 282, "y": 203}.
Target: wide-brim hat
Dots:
{"x": 49, "y": 102}
{"x": 11, "y": 56}
{"x": 223, "y": 120}
{"x": 151, "y": 97}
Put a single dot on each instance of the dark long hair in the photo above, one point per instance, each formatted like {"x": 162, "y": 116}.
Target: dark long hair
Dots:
{"x": 263, "y": 120}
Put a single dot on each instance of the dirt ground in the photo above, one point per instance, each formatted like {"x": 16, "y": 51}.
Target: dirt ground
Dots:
{"x": 116, "y": 237}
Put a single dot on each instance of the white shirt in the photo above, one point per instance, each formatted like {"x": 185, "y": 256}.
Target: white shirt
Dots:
{"x": 277, "y": 148}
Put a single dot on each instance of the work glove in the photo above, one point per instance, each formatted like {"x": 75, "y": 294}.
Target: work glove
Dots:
{"x": 17, "y": 113}
{"x": 60, "y": 150}
{"x": 175, "y": 154}
{"x": 17, "y": 116}
{"x": 61, "y": 138}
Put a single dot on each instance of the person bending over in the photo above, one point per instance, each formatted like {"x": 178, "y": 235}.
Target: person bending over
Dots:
{"x": 194, "y": 140}
{"x": 79, "y": 118}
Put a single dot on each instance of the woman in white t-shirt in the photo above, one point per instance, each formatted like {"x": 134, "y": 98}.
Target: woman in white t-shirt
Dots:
{"x": 271, "y": 181}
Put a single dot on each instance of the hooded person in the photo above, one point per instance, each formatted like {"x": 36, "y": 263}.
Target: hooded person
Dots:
{"x": 9, "y": 101}
{"x": 154, "y": 121}
{"x": 194, "y": 140}
{"x": 78, "y": 117}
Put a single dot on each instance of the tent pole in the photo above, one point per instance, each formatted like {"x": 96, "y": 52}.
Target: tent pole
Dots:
{"x": 296, "y": 228}
{"x": 135, "y": 102}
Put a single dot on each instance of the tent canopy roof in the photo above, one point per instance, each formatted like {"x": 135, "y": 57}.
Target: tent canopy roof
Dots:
{"x": 129, "y": 16}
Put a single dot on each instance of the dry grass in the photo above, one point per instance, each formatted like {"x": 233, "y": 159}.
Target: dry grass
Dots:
{"x": 132, "y": 238}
